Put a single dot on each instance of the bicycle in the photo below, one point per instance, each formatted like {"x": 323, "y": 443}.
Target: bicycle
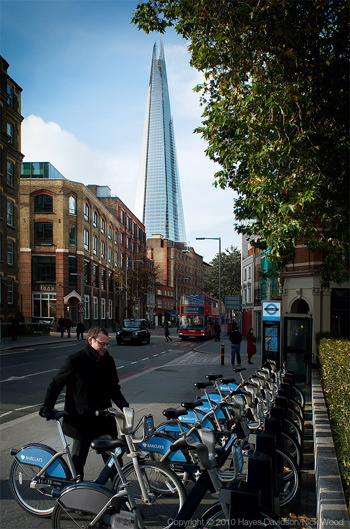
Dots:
{"x": 151, "y": 490}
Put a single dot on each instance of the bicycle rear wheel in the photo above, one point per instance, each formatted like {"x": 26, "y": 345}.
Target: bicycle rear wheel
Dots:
{"x": 288, "y": 477}
{"x": 166, "y": 492}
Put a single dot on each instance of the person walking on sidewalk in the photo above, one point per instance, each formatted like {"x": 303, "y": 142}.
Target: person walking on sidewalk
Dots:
{"x": 61, "y": 325}
{"x": 80, "y": 330}
{"x": 69, "y": 324}
{"x": 235, "y": 338}
{"x": 167, "y": 332}
{"x": 217, "y": 330}
{"x": 91, "y": 380}
{"x": 251, "y": 345}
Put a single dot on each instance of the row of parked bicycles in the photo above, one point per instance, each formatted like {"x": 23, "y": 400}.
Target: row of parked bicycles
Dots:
{"x": 233, "y": 455}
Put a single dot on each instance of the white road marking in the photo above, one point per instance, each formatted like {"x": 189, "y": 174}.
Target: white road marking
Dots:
{"x": 11, "y": 379}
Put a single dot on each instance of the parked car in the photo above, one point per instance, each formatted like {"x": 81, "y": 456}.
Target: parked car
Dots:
{"x": 134, "y": 331}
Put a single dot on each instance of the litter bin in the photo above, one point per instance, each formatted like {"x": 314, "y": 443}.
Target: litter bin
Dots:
{"x": 229, "y": 327}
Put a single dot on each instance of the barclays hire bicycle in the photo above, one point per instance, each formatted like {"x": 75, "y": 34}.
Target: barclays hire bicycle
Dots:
{"x": 148, "y": 489}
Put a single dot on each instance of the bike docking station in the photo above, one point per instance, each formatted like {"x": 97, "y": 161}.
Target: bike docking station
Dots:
{"x": 259, "y": 492}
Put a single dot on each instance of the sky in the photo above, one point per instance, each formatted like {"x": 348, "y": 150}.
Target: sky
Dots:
{"x": 84, "y": 69}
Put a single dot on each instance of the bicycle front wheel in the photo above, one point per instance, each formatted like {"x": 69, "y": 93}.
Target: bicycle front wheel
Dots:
{"x": 215, "y": 517}
{"x": 288, "y": 477}
{"x": 166, "y": 494}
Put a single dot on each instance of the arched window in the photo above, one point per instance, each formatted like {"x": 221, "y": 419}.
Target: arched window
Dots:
{"x": 72, "y": 205}
{"x": 43, "y": 203}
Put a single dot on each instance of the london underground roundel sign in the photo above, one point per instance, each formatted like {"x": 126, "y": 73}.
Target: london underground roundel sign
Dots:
{"x": 271, "y": 310}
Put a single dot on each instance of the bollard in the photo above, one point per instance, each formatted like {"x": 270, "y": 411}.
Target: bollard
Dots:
{"x": 222, "y": 354}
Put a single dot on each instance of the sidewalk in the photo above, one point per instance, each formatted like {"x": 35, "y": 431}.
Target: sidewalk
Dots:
{"x": 154, "y": 389}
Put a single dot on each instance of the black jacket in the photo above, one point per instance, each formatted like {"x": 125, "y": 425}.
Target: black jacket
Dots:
{"x": 91, "y": 384}
{"x": 235, "y": 337}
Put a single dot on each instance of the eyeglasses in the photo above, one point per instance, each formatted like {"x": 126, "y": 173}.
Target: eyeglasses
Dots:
{"x": 102, "y": 344}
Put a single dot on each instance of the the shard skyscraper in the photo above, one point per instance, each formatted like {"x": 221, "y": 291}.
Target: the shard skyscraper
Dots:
{"x": 158, "y": 196}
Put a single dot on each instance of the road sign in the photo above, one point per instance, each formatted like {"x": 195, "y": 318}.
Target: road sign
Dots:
{"x": 81, "y": 309}
{"x": 271, "y": 310}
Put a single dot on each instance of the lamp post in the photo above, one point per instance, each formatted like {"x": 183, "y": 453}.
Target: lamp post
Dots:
{"x": 126, "y": 282}
{"x": 81, "y": 292}
{"x": 216, "y": 239}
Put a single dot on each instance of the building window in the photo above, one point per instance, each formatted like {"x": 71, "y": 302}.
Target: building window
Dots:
{"x": 9, "y": 129}
{"x": 122, "y": 217}
{"x": 122, "y": 237}
{"x": 159, "y": 303}
{"x": 44, "y": 305}
{"x": 109, "y": 232}
{"x": 9, "y": 252}
{"x": 10, "y": 174}
{"x": 9, "y": 95}
{"x": 86, "y": 211}
{"x": 72, "y": 269}
{"x": 128, "y": 223}
{"x": 43, "y": 203}
{"x": 94, "y": 219}
{"x": 72, "y": 205}
{"x": 110, "y": 309}
{"x": 87, "y": 306}
{"x": 86, "y": 239}
{"x": 103, "y": 250}
{"x": 109, "y": 254}
{"x": 72, "y": 235}
{"x": 116, "y": 238}
{"x": 103, "y": 308}
{"x": 122, "y": 259}
{"x": 43, "y": 233}
{"x": 95, "y": 308}
{"x": 115, "y": 258}
{"x": 87, "y": 273}
{"x": 44, "y": 268}
{"x": 103, "y": 226}
{"x": 10, "y": 213}
{"x": 95, "y": 275}
{"x": 10, "y": 297}
{"x": 103, "y": 279}
{"x": 94, "y": 245}
{"x": 110, "y": 281}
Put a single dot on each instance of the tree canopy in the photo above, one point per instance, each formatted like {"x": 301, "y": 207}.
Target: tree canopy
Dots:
{"x": 230, "y": 274}
{"x": 275, "y": 102}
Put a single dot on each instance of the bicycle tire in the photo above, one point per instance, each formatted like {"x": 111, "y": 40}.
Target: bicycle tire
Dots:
{"x": 290, "y": 427}
{"x": 214, "y": 517}
{"x": 288, "y": 477}
{"x": 165, "y": 488}
{"x": 298, "y": 395}
{"x": 35, "y": 501}
{"x": 289, "y": 445}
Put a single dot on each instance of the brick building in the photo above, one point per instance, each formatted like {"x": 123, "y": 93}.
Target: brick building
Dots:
{"x": 10, "y": 170}
{"x": 179, "y": 270}
{"x": 74, "y": 246}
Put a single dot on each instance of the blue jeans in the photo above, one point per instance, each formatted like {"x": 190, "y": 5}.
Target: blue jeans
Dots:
{"x": 235, "y": 350}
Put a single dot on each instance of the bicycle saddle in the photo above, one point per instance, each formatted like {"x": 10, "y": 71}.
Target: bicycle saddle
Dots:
{"x": 212, "y": 377}
{"x": 201, "y": 385}
{"x": 191, "y": 405}
{"x": 106, "y": 443}
{"x": 172, "y": 413}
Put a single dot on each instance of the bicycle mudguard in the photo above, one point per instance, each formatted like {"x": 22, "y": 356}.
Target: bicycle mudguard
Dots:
{"x": 190, "y": 418}
{"x": 173, "y": 429}
{"x": 39, "y": 455}
{"x": 161, "y": 444}
{"x": 206, "y": 408}
{"x": 85, "y": 496}
{"x": 228, "y": 387}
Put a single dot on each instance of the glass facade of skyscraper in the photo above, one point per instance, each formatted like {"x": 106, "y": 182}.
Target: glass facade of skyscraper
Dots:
{"x": 158, "y": 196}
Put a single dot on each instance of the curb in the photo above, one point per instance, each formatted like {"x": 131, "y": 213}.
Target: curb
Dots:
{"x": 330, "y": 498}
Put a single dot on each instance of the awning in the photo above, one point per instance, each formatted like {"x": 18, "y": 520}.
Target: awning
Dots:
{"x": 171, "y": 314}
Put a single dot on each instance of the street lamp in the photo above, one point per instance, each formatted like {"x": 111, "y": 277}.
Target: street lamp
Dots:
{"x": 81, "y": 293}
{"x": 126, "y": 282}
{"x": 216, "y": 239}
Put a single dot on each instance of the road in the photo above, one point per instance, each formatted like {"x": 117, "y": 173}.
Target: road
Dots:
{"x": 27, "y": 371}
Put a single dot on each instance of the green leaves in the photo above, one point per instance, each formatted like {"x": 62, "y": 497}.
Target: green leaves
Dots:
{"x": 275, "y": 115}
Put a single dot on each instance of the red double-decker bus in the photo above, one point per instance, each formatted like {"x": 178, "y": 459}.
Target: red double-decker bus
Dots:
{"x": 198, "y": 315}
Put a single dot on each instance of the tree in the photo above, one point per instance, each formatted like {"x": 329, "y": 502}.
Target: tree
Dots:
{"x": 230, "y": 274}
{"x": 276, "y": 108}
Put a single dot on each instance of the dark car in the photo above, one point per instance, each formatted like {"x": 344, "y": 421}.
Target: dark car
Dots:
{"x": 134, "y": 331}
